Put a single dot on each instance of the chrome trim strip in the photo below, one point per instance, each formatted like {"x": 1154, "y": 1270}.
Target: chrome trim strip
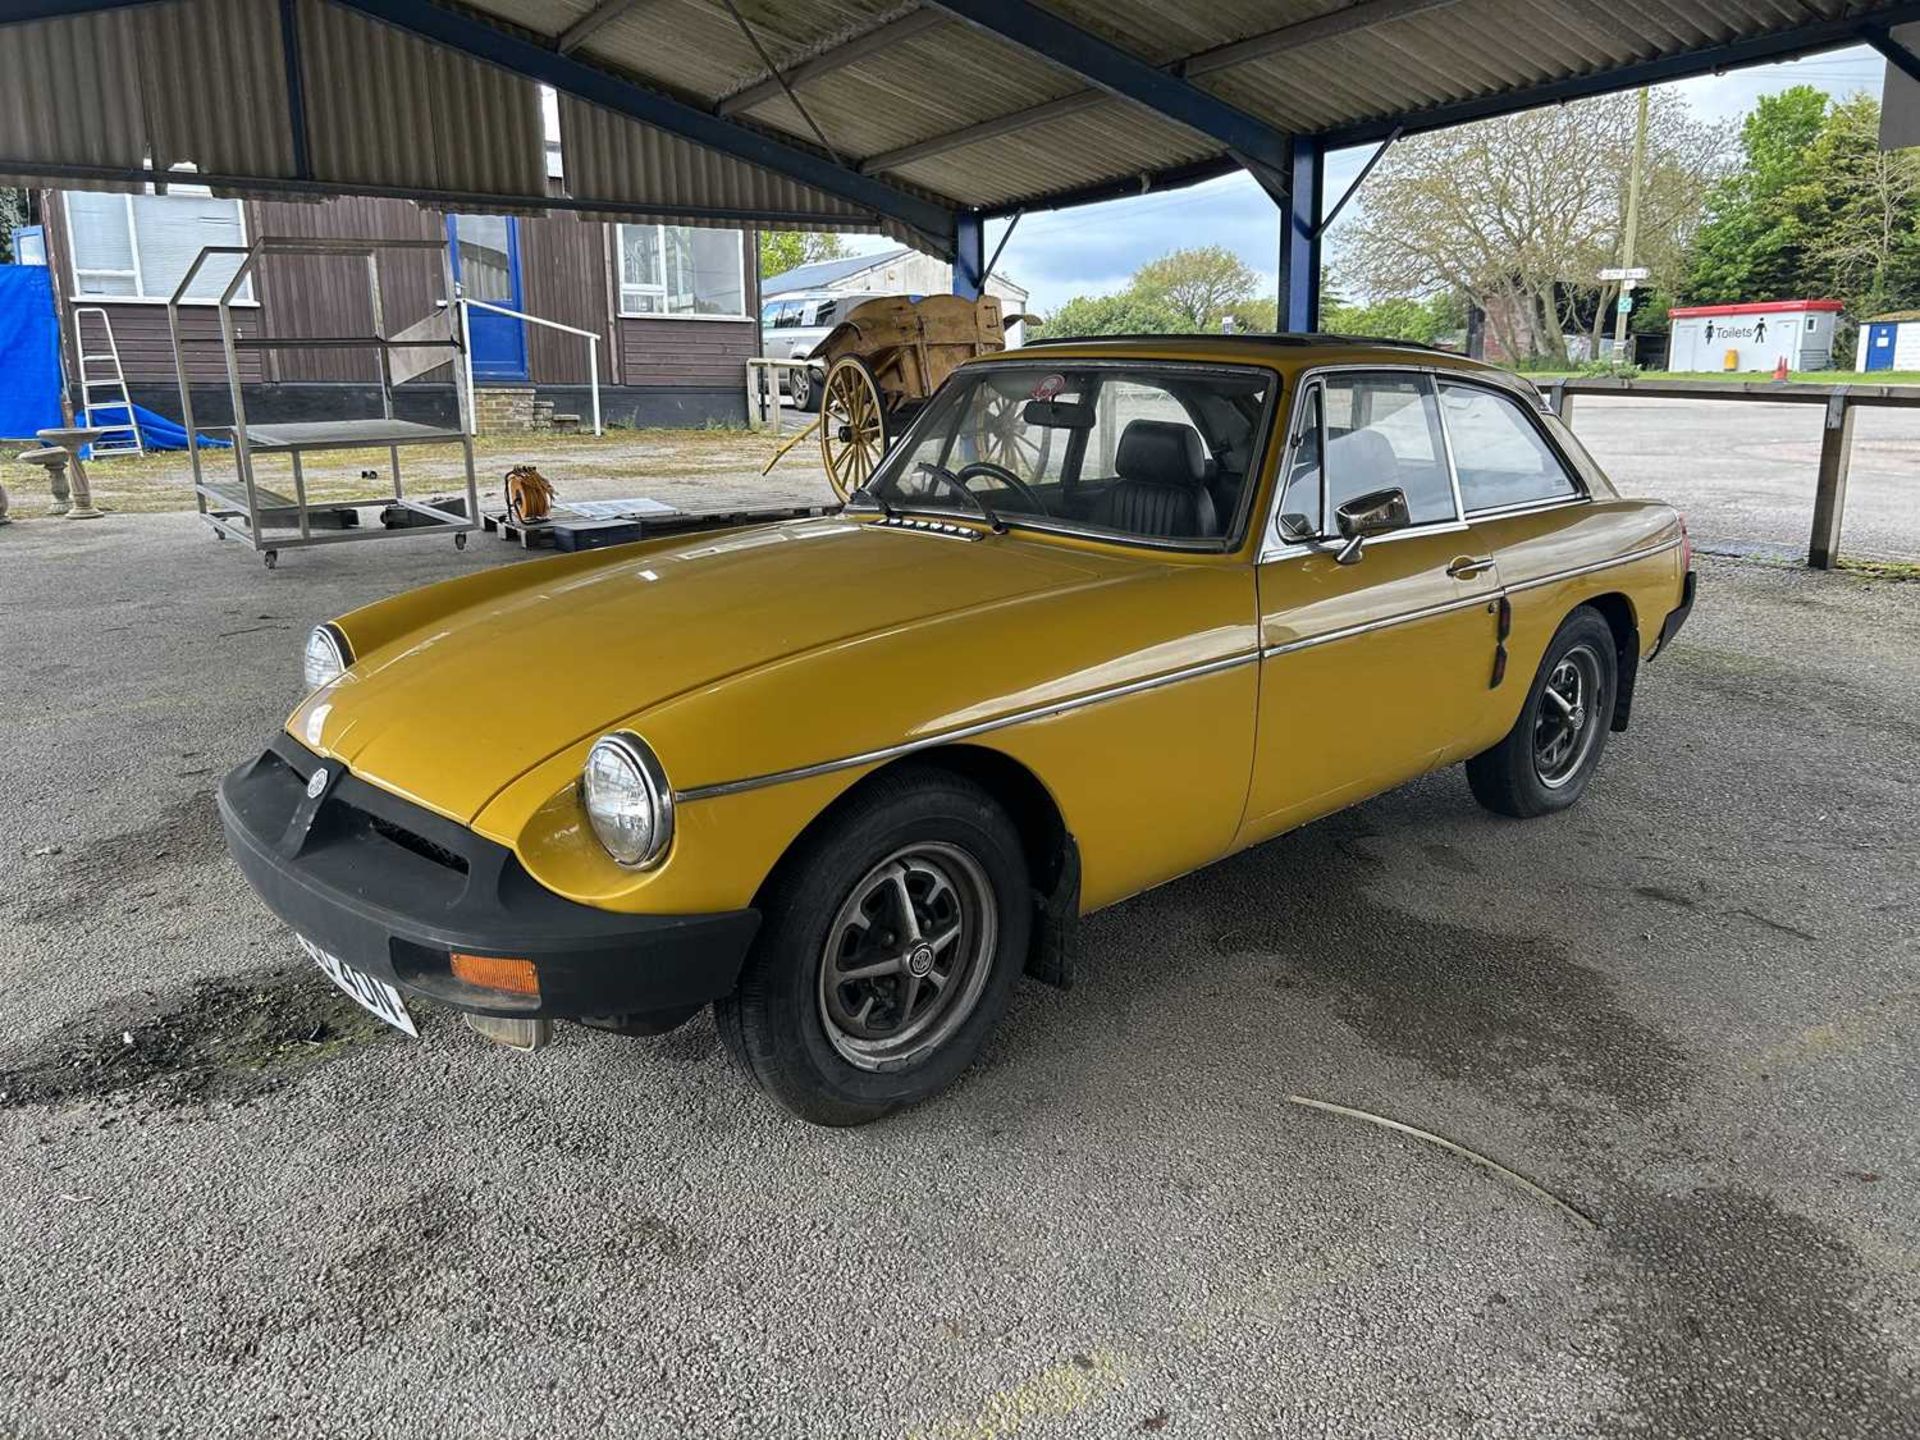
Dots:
{"x": 967, "y": 732}
{"x": 1136, "y": 687}
{"x": 1647, "y": 554}
{"x": 1484, "y": 598}
{"x": 1487, "y": 597}
{"x": 1527, "y": 507}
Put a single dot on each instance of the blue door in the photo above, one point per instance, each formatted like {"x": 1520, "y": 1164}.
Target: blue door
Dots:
{"x": 486, "y": 262}
{"x": 1880, "y": 341}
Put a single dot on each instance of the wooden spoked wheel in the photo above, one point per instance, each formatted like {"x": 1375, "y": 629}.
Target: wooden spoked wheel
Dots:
{"x": 1005, "y": 440}
{"x": 853, "y": 424}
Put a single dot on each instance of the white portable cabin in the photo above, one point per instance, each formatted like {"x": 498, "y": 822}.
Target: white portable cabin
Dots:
{"x": 1889, "y": 342}
{"x": 1757, "y": 337}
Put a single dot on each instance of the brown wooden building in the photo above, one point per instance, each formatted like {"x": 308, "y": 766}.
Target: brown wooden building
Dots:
{"x": 676, "y": 307}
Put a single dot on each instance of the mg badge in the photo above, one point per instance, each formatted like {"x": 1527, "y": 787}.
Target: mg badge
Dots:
{"x": 316, "y": 782}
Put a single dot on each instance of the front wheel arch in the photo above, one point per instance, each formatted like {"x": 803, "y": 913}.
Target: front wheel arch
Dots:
{"x": 1029, "y": 804}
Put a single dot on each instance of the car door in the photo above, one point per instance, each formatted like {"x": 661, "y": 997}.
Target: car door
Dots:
{"x": 1525, "y": 505}
{"x": 1371, "y": 672}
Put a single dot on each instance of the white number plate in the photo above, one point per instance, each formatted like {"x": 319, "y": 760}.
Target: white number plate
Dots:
{"x": 376, "y": 995}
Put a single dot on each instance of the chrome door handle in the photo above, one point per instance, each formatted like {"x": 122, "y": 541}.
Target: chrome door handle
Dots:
{"x": 1468, "y": 566}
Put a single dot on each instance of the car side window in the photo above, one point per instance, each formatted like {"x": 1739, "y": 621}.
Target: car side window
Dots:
{"x": 1501, "y": 456}
{"x": 1300, "y": 517}
{"x": 1383, "y": 431}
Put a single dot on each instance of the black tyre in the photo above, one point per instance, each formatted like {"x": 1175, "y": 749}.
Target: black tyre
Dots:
{"x": 888, "y": 949}
{"x": 803, "y": 388}
{"x": 1546, "y": 760}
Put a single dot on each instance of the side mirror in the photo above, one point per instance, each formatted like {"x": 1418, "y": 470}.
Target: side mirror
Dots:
{"x": 1375, "y": 513}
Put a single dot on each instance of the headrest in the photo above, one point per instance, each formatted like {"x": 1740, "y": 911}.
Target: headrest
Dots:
{"x": 1364, "y": 455}
{"x": 1161, "y": 452}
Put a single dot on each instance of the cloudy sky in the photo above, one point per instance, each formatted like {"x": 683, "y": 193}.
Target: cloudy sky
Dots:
{"x": 1092, "y": 251}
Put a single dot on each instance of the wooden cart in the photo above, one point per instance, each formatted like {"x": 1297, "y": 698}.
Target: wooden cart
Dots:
{"x": 883, "y": 363}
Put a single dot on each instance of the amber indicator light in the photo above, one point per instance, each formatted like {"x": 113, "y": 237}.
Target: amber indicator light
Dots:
{"x": 496, "y": 972}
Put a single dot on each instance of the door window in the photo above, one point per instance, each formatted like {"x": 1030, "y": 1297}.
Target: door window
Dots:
{"x": 1383, "y": 431}
{"x": 486, "y": 258}
{"x": 1500, "y": 454}
{"x": 1300, "y": 517}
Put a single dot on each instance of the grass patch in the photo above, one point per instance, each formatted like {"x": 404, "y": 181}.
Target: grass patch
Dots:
{"x": 1903, "y": 570}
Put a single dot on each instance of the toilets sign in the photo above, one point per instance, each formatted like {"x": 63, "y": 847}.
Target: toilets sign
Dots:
{"x": 1714, "y": 338}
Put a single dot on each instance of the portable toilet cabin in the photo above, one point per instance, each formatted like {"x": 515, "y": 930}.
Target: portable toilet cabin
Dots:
{"x": 1754, "y": 337}
{"x": 1889, "y": 342}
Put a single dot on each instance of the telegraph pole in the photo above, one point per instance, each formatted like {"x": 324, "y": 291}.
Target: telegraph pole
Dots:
{"x": 1625, "y": 306}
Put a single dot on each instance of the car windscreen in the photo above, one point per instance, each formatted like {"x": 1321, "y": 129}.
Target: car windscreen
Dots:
{"x": 1139, "y": 451}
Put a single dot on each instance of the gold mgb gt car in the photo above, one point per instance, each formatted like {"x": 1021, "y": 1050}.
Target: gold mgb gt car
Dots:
{"x": 1109, "y": 611}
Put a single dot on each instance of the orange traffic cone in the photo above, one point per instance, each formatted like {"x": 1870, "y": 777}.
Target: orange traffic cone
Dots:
{"x": 1780, "y": 370}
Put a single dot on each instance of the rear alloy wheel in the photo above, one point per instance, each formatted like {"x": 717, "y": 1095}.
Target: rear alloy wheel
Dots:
{"x": 1550, "y": 754}
{"x": 889, "y": 947}
{"x": 802, "y": 390}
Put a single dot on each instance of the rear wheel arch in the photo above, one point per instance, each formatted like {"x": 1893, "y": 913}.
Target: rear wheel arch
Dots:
{"x": 1617, "y": 610}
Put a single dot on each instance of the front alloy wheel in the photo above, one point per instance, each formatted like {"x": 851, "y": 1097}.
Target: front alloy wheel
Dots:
{"x": 907, "y": 956}
{"x": 890, "y": 942}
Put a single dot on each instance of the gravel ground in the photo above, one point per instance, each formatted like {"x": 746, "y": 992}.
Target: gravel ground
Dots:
{"x": 1688, "y": 1007}
{"x": 1744, "y": 471}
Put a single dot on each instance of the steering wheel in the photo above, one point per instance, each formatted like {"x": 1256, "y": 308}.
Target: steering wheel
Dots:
{"x": 1005, "y": 477}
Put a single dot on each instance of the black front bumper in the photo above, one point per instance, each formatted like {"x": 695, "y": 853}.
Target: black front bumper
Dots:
{"x": 393, "y": 889}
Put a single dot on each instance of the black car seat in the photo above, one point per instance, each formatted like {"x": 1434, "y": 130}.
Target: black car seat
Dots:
{"x": 1162, "y": 489}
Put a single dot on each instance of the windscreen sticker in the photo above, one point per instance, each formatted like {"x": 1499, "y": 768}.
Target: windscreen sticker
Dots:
{"x": 1049, "y": 388}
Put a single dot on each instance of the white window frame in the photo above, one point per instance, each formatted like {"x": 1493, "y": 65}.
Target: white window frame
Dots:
{"x": 619, "y": 276}
{"x": 79, "y": 297}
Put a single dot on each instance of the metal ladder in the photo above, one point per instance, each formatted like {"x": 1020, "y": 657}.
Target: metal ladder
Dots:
{"x": 123, "y": 435}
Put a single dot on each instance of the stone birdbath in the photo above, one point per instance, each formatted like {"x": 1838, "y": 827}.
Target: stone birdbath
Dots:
{"x": 69, "y": 439}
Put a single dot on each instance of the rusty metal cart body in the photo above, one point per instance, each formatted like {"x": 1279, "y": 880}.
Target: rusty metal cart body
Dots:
{"x": 883, "y": 363}
{"x": 269, "y": 522}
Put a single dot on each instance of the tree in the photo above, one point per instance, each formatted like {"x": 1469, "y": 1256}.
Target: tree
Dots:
{"x": 1399, "y": 318}
{"x": 784, "y": 250}
{"x": 1858, "y": 211}
{"x": 13, "y": 214}
{"x": 1201, "y": 285}
{"x": 1518, "y": 214}
{"x": 1753, "y": 243}
{"x": 1128, "y": 313}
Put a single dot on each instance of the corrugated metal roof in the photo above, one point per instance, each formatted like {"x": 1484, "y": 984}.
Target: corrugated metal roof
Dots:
{"x": 822, "y": 273}
{"x": 204, "y": 81}
{"x": 636, "y": 168}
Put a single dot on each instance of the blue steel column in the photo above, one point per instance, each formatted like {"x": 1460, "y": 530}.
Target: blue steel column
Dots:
{"x": 969, "y": 254}
{"x": 1299, "y": 237}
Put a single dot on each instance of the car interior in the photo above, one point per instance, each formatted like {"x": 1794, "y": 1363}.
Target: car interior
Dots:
{"x": 1148, "y": 453}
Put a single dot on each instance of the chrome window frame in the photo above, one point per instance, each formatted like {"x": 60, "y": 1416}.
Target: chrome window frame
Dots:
{"x": 1272, "y": 545}
{"x": 1530, "y": 408}
{"x": 1226, "y": 544}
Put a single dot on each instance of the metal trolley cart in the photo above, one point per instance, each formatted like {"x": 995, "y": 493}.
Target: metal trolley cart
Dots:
{"x": 271, "y": 522}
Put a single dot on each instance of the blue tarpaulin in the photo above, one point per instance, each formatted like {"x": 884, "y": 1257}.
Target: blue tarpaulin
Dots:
{"x": 29, "y": 352}
{"x": 157, "y": 432}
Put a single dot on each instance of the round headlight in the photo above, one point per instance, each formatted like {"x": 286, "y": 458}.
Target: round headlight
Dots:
{"x": 326, "y": 657}
{"x": 629, "y": 803}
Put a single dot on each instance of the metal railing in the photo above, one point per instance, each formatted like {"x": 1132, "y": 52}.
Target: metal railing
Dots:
{"x": 763, "y": 390}
{"x": 468, "y": 304}
{"x": 1836, "y": 435}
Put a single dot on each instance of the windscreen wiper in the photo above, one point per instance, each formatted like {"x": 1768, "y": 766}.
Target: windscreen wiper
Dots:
{"x": 953, "y": 482}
